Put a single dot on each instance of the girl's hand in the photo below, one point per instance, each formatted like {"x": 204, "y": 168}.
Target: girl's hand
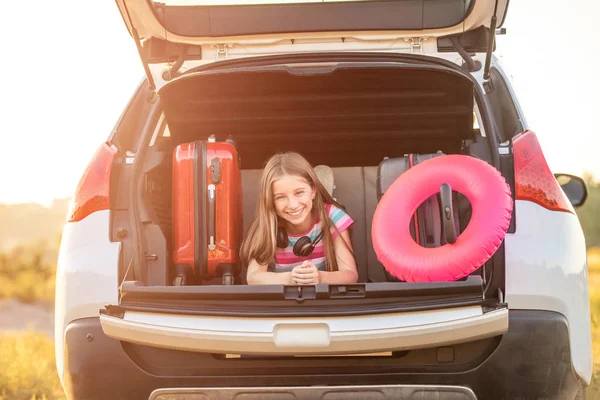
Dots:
{"x": 306, "y": 274}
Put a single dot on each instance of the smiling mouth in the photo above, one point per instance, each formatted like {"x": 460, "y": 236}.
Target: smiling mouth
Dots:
{"x": 295, "y": 213}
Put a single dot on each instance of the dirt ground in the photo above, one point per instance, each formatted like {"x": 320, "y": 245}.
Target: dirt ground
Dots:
{"x": 18, "y": 316}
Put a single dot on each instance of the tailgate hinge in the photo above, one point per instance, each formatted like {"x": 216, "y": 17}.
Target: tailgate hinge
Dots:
{"x": 222, "y": 51}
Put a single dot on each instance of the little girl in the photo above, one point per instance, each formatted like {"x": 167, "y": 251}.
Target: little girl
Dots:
{"x": 300, "y": 227}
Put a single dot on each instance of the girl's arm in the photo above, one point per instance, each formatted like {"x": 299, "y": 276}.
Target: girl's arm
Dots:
{"x": 346, "y": 272}
{"x": 258, "y": 275}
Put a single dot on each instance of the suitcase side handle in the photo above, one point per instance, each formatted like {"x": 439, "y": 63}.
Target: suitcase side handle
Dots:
{"x": 212, "y": 201}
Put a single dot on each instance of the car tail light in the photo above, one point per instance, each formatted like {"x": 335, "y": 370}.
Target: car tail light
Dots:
{"x": 533, "y": 179}
{"x": 92, "y": 193}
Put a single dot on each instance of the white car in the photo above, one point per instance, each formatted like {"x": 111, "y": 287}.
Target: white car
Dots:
{"x": 347, "y": 84}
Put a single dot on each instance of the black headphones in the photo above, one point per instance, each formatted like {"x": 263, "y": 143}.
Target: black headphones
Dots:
{"x": 303, "y": 247}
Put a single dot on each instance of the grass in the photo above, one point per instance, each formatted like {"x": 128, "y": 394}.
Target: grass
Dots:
{"x": 27, "y": 368}
{"x": 593, "y": 391}
{"x": 28, "y": 372}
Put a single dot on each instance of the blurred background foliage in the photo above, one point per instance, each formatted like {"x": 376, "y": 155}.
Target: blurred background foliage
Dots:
{"x": 27, "y": 271}
{"x": 589, "y": 213}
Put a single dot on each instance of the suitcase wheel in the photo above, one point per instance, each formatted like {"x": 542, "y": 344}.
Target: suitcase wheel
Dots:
{"x": 228, "y": 279}
{"x": 182, "y": 275}
{"x": 179, "y": 281}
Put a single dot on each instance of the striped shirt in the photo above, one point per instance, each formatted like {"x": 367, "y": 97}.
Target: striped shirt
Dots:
{"x": 286, "y": 260}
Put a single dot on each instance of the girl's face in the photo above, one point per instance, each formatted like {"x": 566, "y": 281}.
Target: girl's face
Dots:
{"x": 293, "y": 200}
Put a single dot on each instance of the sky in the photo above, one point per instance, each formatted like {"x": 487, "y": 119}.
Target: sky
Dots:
{"x": 68, "y": 69}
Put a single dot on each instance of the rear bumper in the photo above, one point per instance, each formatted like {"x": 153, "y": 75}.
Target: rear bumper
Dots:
{"x": 532, "y": 360}
{"x": 337, "y": 335}
{"x": 430, "y": 392}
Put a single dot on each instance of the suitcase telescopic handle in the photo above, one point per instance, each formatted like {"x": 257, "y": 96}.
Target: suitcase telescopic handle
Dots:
{"x": 448, "y": 225}
{"x": 212, "y": 204}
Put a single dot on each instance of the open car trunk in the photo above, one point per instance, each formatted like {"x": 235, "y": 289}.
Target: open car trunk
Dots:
{"x": 349, "y": 116}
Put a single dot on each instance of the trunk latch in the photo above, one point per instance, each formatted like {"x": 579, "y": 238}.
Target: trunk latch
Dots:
{"x": 299, "y": 293}
{"x": 416, "y": 45}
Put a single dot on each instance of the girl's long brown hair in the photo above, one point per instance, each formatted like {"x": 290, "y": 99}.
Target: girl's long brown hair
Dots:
{"x": 260, "y": 242}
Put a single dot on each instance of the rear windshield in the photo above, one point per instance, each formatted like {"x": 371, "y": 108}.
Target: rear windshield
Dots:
{"x": 218, "y": 18}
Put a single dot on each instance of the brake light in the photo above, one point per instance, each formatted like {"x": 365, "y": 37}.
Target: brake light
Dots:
{"x": 533, "y": 179}
{"x": 92, "y": 193}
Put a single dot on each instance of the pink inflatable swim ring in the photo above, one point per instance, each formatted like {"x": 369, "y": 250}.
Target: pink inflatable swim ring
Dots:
{"x": 491, "y": 204}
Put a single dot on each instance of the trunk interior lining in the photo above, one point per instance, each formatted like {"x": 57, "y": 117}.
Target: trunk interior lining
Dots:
{"x": 324, "y": 112}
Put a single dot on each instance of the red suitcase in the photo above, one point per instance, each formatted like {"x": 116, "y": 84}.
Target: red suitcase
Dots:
{"x": 207, "y": 212}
